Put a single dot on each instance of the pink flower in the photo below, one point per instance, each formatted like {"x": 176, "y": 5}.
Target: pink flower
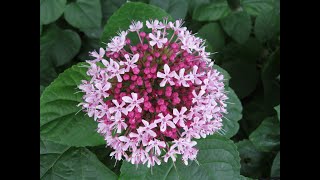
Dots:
{"x": 118, "y": 109}
{"x": 164, "y": 120}
{"x": 117, "y": 43}
{"x": 157, "y": 39}
{"x": 117, "y": 71}
{"x": 154, "y": 144}
{"x": 118, "y": 123}
{"x": 167, "y": 75}
{"x": 133, "y": 101}
{"x": 180, "y": 116}
{"x": 135, "y": 26}
{"x": 170, "y": 154}
{"x": 154, "y": 25}
{"x": 148, "y": 128}
{"x": 130, "y": 62}
{"x": 181, "y": 78}
{"x": 99, "y": 56}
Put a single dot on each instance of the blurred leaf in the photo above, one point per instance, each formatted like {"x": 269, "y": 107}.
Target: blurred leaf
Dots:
{"x": 254, "y": 163}
{"x": 122, "y": 18}
{"x": 270, "y": 71}
{"x": 275, "y": 169}
{"x": 238, "y": 26}
{"x": 64, "y": 162}
{"x": 94, "y": 33}
{"x": 213, "y": 33}
{"x": 109, "y": 7}
{"x": 176, "y": 8}
{"x": 103, "y": 154}
{"x": 51, "y": 10}
{"x": 47, "y": 71}
{"x": 211, "y": 12}
{"x": 244, "y": 77}
{"x": 194, "y": 3}
{"x": 84, "y": 14}
{"x": 218, "y": 158}
{"x": 267, "y": 25}
{"x": 234, "y": 109}
{"x": 266, "y": 137}
{"x": 61, "y": 120}
{"x": 41, "y": 89}
{"x": 254, "y": 111}
{"x": 249, "y": 52}
{"x": 88, "y": 45}
{"x": 40, "y": 28}
{"x": 58, "y": 46}
{"x": 255, "y": 7}
{"x": 277, "y": 108}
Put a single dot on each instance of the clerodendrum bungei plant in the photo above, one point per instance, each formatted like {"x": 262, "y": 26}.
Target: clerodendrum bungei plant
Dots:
{"x": 153, "y": 98}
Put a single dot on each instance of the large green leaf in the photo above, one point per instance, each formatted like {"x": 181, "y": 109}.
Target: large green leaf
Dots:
{"x": 59, "y": 120}
{"x": 254, "y": 163}
{"x": 234, "y": 108}
{"x": 275, "y": 169}
{"x": 176, "y": 8}
{"x": 277, "y": 108}
{"x": 255, "y": 7}
{"x": 267, "y": 136}
{"x": 226, "y": 75}
{"x": 51, "y": 10}
{"x": 244, "y": 75}
{"x": 64, "y": 162}
{"x": 271, "y": 85}
{"x": 84, "y": 14}
{"x": 59, "y": 46}
{"x": 267, "y": 25}
{"x": 216, "y": 10}
{"x": 238, "y": 26}
{"x": 122, "y": 18}
{"x": 109, "y": 7}
{"x": 213, "y": 33}
{"x": 218, "y": 159}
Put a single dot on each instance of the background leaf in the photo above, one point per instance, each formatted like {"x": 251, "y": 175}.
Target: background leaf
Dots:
{"x": 267, "y": 25}
{"x": 84, "y": 14}
{"x": 216, "y": 154}
{"x": 58, "y": 46}
{"x": 58, "y": 107}
{"x": 176, "y": 8}
{"x": 267, "y": 136}
{"x": 275, "y": 169}
{"x": 213, "y": 34}
{"x": 51, "y": 10}
{"x": 213, "y": 11}
{"x": 254, "y": 163}
{"x": 238, "y": 26}
{"x": 277, "y": 108}
{"x": 255, "y": 7}
{"x": 64, "y": 162}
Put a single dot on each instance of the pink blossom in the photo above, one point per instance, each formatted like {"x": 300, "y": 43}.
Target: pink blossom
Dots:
{"x": 130, "y": 63}
{"x": 164, "y": 120}
{"x": 181, "y": 78}
{"x": 98, "y": 56}
{"x": 133, "y": 101}
{"x": 167, "y": 75}
{"x": 157, "y": 39}
{"x": 147, "y": 128}
{"x": 135, "y": 26}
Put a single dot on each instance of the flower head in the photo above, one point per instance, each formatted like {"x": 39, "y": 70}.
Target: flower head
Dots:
{"x": 153, "y": 97}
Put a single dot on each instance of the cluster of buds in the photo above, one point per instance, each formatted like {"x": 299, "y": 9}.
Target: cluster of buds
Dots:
{"x": 153, "y": 98}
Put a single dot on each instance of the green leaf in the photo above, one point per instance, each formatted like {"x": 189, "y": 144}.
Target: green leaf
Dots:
{"x": 47, "y": 71}
{"x": 64, "y": 162}
{"x": 218, "y": 158}
{"x": 275, "y": 169}
{"x": 270, "y": 71}
{"x": 238, "y": 26}
{"x": 59, "y": 46}
{"x": 59, "y": 120}
{"x": 41, "y": 89}
{"x": 213, "y": 33}
{"x": 51, "y": 10}
{"x": 84, "y": 14}
{"x": 214, "y": 11}
{"x": 88, "y": 45}
{"x": 176, "y": 8}
{"x": 277, "y": 108}
{"x": 40, "y": 28}
{"x": 109, "y": 7}
{"x": 244, "y": 75}
{"x": 255, "y": 7}
{"x": 267, "y": 25}
{"x": 234, "y": 108}
{"x": 254, "y": 163}
{"x": 266, "y": 137}
{"x": 122, "y": 18}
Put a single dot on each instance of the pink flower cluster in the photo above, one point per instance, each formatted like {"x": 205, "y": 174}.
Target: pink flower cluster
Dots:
{"x": 152, "y": 98}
